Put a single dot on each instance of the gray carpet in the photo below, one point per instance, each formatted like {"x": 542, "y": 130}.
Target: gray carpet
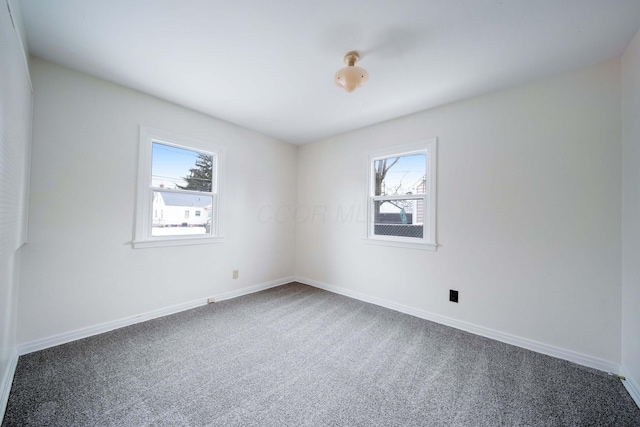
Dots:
{"x": 298, "y": 356}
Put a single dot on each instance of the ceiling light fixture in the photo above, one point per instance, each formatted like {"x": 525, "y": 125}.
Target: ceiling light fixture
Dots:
{"x": 351, "y": 77}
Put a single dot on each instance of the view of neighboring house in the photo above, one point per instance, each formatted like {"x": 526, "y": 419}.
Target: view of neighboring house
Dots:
{"x": 180, "y": 210}
{"x": 420, "y": 188}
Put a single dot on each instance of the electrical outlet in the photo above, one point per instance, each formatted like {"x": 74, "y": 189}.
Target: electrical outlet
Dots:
{"x": 235, "y": 274}
{"x": 453, "y": 295}
{"x": 210, "y": 300}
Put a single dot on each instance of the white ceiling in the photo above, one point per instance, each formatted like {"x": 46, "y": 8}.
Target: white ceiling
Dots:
{"x": 269, "y": 65}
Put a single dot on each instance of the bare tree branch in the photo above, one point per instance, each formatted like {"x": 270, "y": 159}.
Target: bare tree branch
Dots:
{"x": 381, "y": 173}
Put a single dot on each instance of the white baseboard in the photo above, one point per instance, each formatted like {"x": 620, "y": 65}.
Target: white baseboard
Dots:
{"x": 5, "y": 385}
{"x": 550, "y": 350}
{"x": 631, "y": 385}
{"x": 251, "y": 289}
{"x": 43, "y": 343}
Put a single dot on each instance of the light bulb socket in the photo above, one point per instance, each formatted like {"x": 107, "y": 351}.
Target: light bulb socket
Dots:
{"x": 350, "y": 58}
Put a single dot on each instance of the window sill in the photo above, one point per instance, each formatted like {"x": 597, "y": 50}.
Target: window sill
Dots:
{"x": 175, "y": 241}
{"x": 401, "y": 244}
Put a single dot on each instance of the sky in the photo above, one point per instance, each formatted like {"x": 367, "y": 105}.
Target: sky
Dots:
{"x": 169, "y": 164}
{"x": 406, "y": 173}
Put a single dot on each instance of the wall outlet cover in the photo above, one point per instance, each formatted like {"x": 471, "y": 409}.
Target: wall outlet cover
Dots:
{"x": 453, "y": 295}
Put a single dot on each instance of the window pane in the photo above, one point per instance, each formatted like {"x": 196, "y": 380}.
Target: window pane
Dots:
{"x": 403, "y": 218}
{"x": 400, "y": 175}
{"x": 176, "y": 218}
{"x": 177, "y": 168}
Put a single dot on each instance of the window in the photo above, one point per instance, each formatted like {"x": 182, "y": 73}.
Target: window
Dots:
{"x": 175, "y": 175}
{"x": 401, "y": 196}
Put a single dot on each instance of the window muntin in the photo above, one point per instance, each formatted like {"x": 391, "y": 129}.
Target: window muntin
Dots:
{"x": 179, "y": 177}
{"x": 401, "y": 195}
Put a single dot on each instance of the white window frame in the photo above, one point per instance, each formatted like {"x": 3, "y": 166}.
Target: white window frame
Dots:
{"x": 144, "y": 201}
{"x": 428, "y": 240}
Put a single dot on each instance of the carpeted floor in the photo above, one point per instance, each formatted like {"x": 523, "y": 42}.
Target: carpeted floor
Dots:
{"x": 299, "y": 356}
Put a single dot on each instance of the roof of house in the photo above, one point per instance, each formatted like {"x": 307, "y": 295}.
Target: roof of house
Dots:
{"x": 177, "y": 199}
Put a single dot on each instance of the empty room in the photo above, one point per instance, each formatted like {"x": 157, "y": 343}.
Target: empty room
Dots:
{"x": 320, "y": 213}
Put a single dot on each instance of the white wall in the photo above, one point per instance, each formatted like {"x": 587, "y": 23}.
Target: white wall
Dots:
{"x": 631, "y": 214}
{"x": 79, "y": 268}
{"x": 15, "y": 131}
{"x": 529, "y": 216}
